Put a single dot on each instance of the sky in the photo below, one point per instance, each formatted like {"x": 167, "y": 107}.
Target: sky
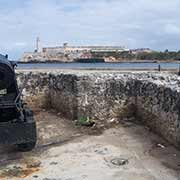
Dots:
{"x": 151, "y": 24}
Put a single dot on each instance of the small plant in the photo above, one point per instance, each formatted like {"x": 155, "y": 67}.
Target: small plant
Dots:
{"x": 85, "y": 121}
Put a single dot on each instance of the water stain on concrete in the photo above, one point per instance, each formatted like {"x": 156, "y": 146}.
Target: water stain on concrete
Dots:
{"x": 18, "y": 172}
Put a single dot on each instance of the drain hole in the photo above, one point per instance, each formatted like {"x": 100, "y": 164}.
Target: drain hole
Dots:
{"x": 119, "y": 161}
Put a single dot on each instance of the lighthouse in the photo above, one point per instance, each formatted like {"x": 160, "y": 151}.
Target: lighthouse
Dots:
{"x": 38, "y": 45}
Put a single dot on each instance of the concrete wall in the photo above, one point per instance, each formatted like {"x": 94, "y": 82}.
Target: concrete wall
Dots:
{"x": 152, "y": 98}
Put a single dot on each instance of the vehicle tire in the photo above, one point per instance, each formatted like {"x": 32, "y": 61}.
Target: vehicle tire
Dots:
{"x": 29, "y": 146}
{"x": 28, "y": 113}
{"x": 25, "y": 147}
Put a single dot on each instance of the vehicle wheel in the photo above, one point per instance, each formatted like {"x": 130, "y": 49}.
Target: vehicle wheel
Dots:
{"x": 28, "y": 113}
{"x": 25, "y": 147}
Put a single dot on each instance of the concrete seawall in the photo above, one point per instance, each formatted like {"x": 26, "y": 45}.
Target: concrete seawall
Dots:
{"x": 152, "y": 98}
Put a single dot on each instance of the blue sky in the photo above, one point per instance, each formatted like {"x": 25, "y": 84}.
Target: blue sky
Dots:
{"x": 139, "y": 23}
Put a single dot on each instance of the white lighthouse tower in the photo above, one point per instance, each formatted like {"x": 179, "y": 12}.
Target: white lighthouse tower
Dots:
{"x": 38, "y": 45}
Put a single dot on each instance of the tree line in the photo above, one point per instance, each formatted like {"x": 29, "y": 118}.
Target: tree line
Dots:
{"x": 154, "y": 55}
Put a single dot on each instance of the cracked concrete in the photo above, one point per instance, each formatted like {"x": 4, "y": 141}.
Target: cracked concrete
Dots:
{"x": 69, "y": 152}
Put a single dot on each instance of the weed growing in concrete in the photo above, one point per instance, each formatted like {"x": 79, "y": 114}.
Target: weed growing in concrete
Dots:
{"x": 85, "y": 121}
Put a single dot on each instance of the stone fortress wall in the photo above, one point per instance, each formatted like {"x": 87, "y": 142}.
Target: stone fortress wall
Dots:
{"x": 66, "y": 53}
{"x": 152, "y": 98}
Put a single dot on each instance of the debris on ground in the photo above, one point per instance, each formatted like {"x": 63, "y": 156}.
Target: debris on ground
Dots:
{"x": 161, "y": 146}
{"x": 33, "y": 163}
{"x": 17, "y": 172}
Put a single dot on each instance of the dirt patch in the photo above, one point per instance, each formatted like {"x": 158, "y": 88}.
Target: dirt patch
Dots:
{"x": 51, "y": 125}
{"x": 163, "y": 149}
{"x": 20, "y": 171}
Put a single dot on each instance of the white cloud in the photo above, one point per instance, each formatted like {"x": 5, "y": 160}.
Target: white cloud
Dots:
{"x": 20, "y": 44}
{"x": 139, "y": 23}
{"x": 172, "y": 29}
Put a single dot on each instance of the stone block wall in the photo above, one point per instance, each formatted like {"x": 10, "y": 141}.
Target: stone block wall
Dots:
{"x": 159, "y": 107}
{"x": 63, "y": 94}
{"x": 35, "y": 89}
{"x": 153, "y": 98}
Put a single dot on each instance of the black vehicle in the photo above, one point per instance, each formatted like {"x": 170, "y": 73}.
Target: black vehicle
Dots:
{"x": 17, "y": 124}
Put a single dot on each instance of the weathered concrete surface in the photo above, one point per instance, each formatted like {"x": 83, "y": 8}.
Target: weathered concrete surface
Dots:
{"x": 153, "y": 98}
{"x": 67, "y": 152}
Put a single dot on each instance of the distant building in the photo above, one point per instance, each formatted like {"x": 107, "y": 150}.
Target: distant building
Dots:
{"x": 66, "y": 53}
{"x": 77, "y": 49}
{"x": 141, "y": 50}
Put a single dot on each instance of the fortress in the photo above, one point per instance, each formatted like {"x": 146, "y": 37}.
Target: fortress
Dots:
{"x": 66, "y": 53}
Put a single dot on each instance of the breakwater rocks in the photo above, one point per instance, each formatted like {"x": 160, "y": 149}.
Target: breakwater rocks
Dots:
{"x": 153, "y": 98}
